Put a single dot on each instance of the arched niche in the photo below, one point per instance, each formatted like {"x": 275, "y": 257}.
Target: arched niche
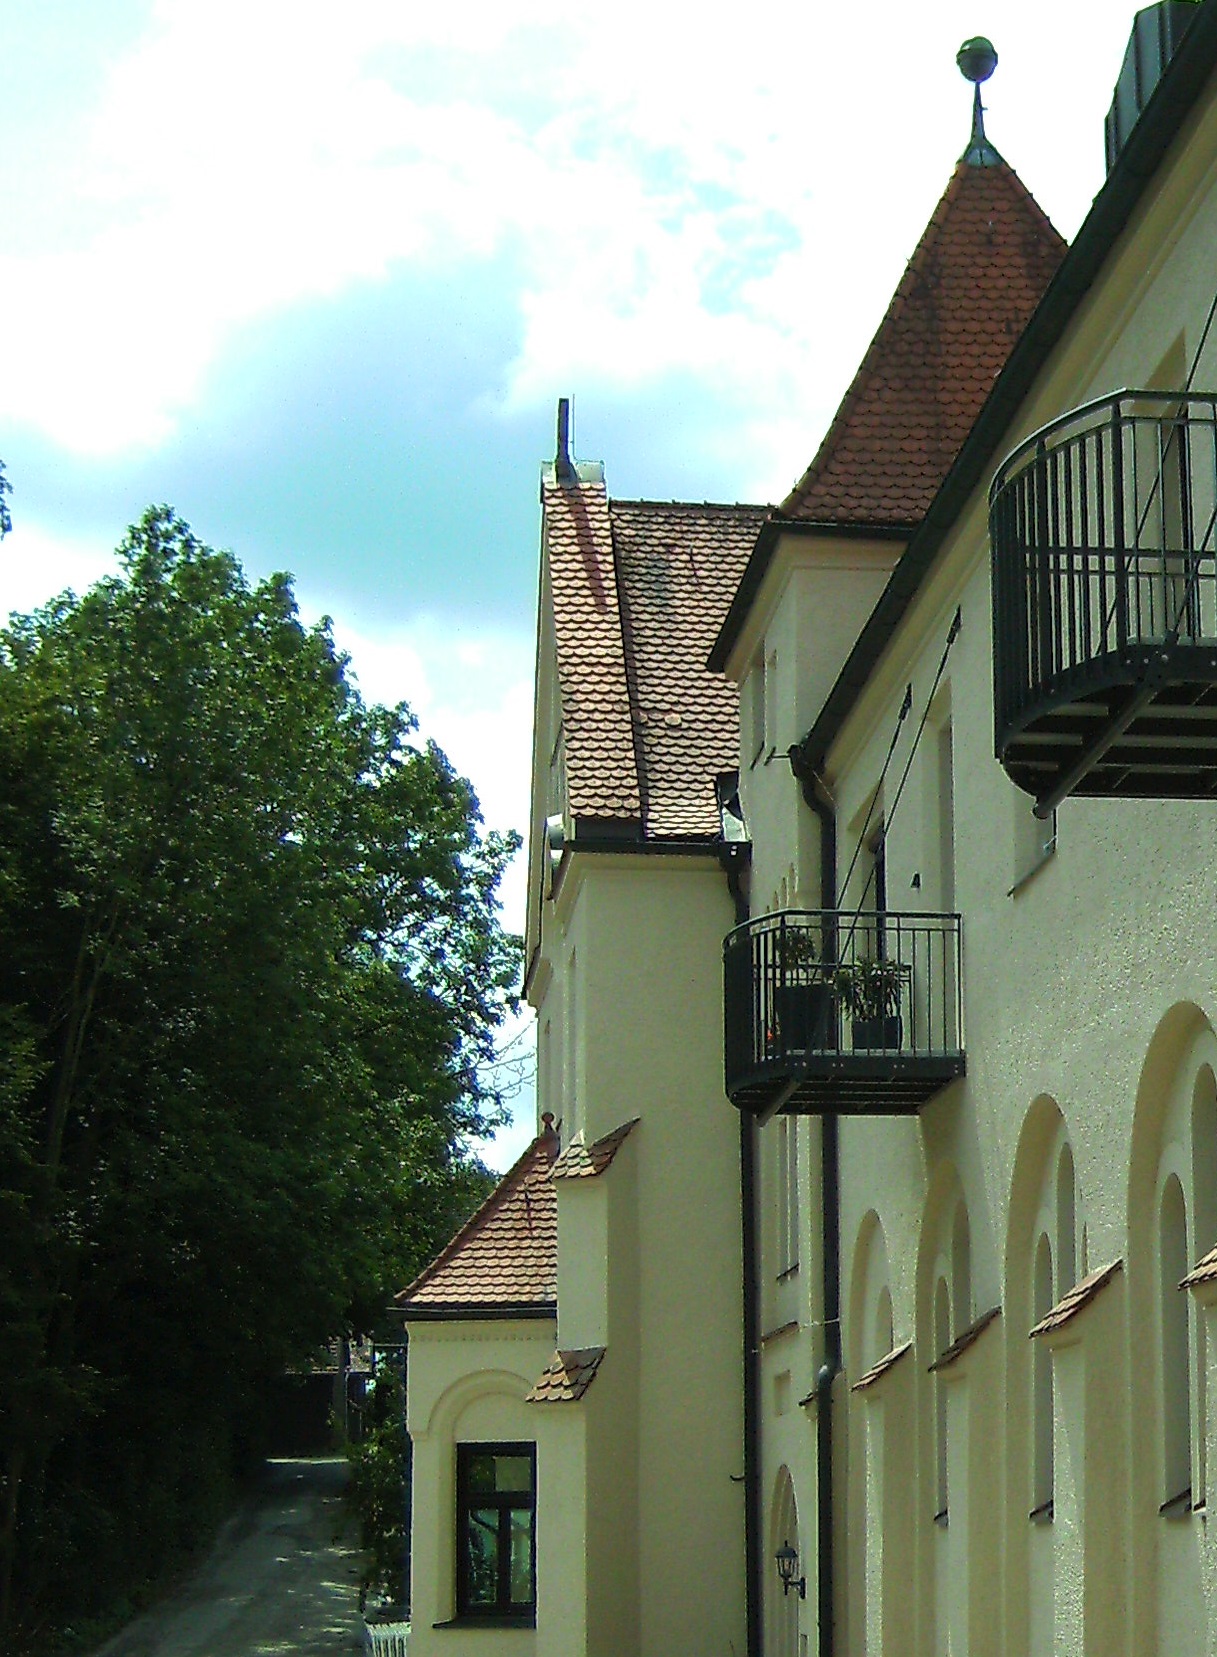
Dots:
{"x": 475, "y": 1398}
{"x": 870, "y": 1299}
{"x": 1170, "y": 1198}
{"x": 1044, "y": 1202}
{"x": 782, "y": 1619}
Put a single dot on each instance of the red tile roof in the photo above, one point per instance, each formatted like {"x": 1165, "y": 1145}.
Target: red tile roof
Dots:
{"x": 678, "y": 566}
{"x": 601, "y": 775}
{"x": 1204, "y": 1271}
{"x": 979, "y": 271}
{"x": 580, "y": 1161}
{"x": 503, "y": 1260}
{"x": 1080, "y": 1295}
{"x": 966, "y": 1339}
{"x": 566, "y": 1377}
{"x": 879, "y": 1369}
{"x": 639, "y": 589}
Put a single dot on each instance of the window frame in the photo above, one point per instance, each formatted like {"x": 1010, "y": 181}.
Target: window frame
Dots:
{"x": 505, "y": 1502}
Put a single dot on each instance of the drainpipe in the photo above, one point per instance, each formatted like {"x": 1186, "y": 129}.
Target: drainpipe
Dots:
{"x": 734, "y": 856}
{"x": 830, "y": 1215}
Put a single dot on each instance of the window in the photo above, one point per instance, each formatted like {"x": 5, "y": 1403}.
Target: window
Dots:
{"x": 1043, "y": 1472}
{"x": 788, "y": 1195}
{"x": 757, "y": 691}
{"x": 1174, "y": 1344}
{"x": 946, "y": 817}
{"x": 496, "y": 1504}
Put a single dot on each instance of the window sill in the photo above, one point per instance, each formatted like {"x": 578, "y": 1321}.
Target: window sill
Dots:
{"x": 1044, "y": 1513}
{"x": 1177, "y": 1507}
{"x": 941, "y": 1518}
{"x": 526, "y": 1622}
{"x": 785, "y": 1275}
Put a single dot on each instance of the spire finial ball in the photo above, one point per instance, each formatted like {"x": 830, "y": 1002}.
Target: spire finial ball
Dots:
{"x": 976, "y": 59}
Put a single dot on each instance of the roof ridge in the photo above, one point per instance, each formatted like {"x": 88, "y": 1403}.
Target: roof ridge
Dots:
{"x": 691, "y": 506}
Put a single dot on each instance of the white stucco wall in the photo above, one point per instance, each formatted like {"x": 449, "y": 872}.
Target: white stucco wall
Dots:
{"x": 1094, "y": 988}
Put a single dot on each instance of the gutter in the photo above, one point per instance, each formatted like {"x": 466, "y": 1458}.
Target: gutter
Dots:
{"x": 816, "y": 796}
{"x": 1181, "y": 85}
{"x": 477, "y": 1312}
{"x": 734, "y": 856}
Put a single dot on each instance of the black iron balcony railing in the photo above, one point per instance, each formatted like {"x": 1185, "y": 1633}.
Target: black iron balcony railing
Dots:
{"x": 826, "y": 1010}
{"x": 1104, "y": 538}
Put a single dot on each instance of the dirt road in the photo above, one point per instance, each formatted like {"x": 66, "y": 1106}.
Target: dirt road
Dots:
{"x": 282, "y": 1578}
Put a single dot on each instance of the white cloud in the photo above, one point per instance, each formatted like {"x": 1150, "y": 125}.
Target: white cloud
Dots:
{"x": 36, "y": 565}
{"x": 672, "y": 195}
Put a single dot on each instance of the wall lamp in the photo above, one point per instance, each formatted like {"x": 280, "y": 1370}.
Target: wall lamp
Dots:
{"x": 788, "y": 1562}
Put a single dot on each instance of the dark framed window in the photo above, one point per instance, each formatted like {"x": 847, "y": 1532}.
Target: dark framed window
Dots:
{"x": 496, "y": 1529}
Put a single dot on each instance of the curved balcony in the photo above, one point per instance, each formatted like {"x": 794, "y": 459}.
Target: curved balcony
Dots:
{"x": 857, "y": 1013}
{"x": 1105, "y": 601}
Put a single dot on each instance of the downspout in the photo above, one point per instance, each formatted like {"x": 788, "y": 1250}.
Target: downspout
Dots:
{"x": 733, "y": 856}
{"x": 830, "y": 1215}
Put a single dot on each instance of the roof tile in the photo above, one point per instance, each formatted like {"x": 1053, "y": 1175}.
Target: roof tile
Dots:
{"x": 968, "y": 1338}
{"x": 677, "y": 567}
{"x": 582, "y": 1161}
{"x": 1079, "y": 1296}
{"x": 505, "y": 1255}
{"x": 567, "y": 1376}
{"x": 1204, "y": 1271}
{"x": 638, "y": 590}
{"x": 602, "y": 778}
{"x": 878, "y": 1370}
{"x": 981, "y": 267}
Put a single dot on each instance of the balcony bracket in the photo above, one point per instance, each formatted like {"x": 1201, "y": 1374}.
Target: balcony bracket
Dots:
{"x": 779, "y": 1102}
{"x": 1130, "y": 706}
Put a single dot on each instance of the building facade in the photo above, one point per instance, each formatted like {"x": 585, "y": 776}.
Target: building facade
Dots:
{"x": 914, "y": 1350}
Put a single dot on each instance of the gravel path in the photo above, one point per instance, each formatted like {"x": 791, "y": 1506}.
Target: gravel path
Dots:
{"x": 282, "y": 1577}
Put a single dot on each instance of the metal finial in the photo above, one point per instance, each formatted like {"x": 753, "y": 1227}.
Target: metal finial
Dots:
{"x": 977, "y": 60}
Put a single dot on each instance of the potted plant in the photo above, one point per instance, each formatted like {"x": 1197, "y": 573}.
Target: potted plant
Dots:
{"x": 804, "y": 999}
{"x": 870, "y": 992}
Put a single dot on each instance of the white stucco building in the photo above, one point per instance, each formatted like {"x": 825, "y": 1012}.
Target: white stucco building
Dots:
{"x": 926, "y": 1320}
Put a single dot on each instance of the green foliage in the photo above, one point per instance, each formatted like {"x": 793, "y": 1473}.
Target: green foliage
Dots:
{"x": 870, "y": 988}
{"x": 252, "y": 966}
{"x": 378, "y": 1486}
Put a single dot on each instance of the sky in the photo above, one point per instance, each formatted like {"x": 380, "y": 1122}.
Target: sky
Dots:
{"x": 317, "y": 276}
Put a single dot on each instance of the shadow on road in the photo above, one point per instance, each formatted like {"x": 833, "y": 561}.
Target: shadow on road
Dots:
{"x": 283, "y": 1577}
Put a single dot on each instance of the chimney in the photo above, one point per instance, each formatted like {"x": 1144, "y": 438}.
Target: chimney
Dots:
{"x": 1156, "y": 34}
{"x": 564, "y": 466}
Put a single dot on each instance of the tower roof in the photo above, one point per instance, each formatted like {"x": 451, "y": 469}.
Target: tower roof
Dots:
{"x": 980, "y": 269}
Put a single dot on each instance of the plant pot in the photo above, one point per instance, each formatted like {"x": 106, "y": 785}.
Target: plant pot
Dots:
{"x": 807, "y": 1017}
{"x": 882, "y": 1034}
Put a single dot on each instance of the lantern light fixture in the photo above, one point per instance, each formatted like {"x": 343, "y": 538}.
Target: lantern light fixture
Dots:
{"x": 788, "y": 1564}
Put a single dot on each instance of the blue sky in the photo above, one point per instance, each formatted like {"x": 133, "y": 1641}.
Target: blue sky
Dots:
{"x": 317, "y": 276}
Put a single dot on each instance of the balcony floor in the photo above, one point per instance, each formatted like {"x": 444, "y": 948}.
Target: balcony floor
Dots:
{"x": 1167, "y": 749}
{"x": 847, "y": 1084}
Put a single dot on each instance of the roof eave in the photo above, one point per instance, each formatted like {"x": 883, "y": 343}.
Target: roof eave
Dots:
{"x": 761, "y": 557}
{"x": 1159, "y": 125}
{"x": 478, "y": 1311}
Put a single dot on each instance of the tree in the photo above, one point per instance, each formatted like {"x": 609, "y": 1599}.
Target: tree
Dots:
{"x": 252, "y": 966}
